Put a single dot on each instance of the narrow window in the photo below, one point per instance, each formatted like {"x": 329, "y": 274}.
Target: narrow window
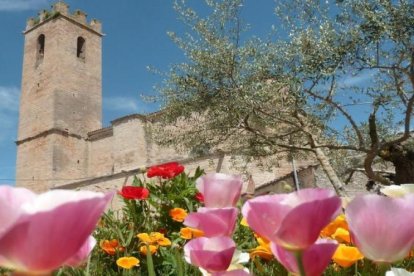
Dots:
{"x": 80, "y": 52}
{"x": 40, "y": 46}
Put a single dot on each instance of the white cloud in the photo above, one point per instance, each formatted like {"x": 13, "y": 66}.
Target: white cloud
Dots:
{"x": 9, "y": 107}
{"x": 9, "y": 98}
{"x": 19, "y": 5}
{"x": 129, "y": 105}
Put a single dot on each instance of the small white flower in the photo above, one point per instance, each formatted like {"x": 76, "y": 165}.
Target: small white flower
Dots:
{"x": 398, "y": 190}
{"x": 398, "y": 272}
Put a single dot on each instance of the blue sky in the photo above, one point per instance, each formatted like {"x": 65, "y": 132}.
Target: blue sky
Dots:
{"x": 135, "y": 38}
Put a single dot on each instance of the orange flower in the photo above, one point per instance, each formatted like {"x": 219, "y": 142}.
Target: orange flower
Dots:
{"x": 127, "y": 262}
{"x": 243, "y": 222}
{"x": 144, "y": 237}
{"x": 110, "y": 246}
{"x": 189, "y": 233}
{"x": 154, "y": 238}
{"x": 143, "y": 249}
{"x": 262, "y": 250}
{"x": 163, "y": 241}
{"x": 342, "y": 235}
{"x": 178, "y": 214}
{"x": 346, "y": 256}
{"x": 330, "y": 229}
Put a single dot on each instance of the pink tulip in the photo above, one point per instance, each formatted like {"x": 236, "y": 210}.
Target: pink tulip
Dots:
{"x": 10, "y": 201}
{"x": 212, "y": 254}
{"x": 220, "y": 190}
{"x": 293, "y": 220}
{"x": 82, "y": 253}
{"x": 315, "y": 258}
{"x": 382, "y": 227}
{"x": 238, "y": 272}
{"x": 213, "y": 221}
{"x": 50, "y": 230}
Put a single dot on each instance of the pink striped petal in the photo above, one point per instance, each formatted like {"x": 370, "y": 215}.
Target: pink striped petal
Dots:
{"x": 11, "y": 199}
{"x": 315, "y": 258}
{"x": 213, "y": 221}
{"x": 293, "y": 220}
{"x": 212, "y": 254}
{"x": 301, "y": 227}
{"x": 382, "y": 227}
{"x": 238, "y": 272}
{"x": 264, "y": 214}
{"x": 220, "y": 190}
{"x": 83, "y": 253}
{"x": 52, "y": 229}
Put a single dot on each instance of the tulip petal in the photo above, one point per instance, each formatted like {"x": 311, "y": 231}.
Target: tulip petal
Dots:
{"x": 11, "y": 199}
{"x": 220, "y": 190}
{"x": 82, "y": 253}
{"x": 315, "y": 258}
{"x": 381, "y": 227}
{"x": 212, "y": 254}
{"x": 302, "y": 225}
{"x": 52, "y": 229}
{"x": 237, "y": 272}
{"x": 293, "y": 220}
{"x": 264, "y": 214}
{"x": 213, "y": 221}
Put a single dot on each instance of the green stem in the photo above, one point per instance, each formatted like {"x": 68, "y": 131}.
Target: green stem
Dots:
{"x": 298, "y": 255}
{"x": 150, "y": 263}
{"x": 88, "y": 265}
{"x": 383, "y": 268}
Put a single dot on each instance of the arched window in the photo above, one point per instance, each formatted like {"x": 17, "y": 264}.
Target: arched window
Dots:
{"x": 80, "y": 52}
{"x": 40, "y": 46}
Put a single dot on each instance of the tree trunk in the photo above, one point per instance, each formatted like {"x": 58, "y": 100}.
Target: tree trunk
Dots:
{"x": 330, "y": 172}
{"x": 404, "y": 171}
{"x": 402, "y": 157}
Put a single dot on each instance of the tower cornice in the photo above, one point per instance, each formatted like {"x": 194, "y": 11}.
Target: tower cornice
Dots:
{"x": 69, "y": 18}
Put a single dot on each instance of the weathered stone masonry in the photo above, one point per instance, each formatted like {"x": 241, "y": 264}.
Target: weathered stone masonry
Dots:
{"x": 61, "y": 142}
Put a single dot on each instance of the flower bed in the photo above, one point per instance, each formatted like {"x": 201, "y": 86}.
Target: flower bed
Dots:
{"x": 177, "y": 224}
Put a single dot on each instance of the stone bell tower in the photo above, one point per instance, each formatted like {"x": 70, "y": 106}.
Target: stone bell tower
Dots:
{"x": 61, "y": 97}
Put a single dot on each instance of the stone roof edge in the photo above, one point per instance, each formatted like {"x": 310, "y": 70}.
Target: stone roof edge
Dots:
{"x": 100, "y": 133}
{"x": 48, "y": 132}
{"x": 67, "y": 18}
{"x": 98, "y": 179}
{"x": 129, "y": 117}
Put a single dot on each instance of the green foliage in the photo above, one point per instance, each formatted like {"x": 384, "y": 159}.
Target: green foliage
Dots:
{"x": 229, "y": 92}
{"x": 151, "y": 215}
{"x": 145, "y": 216}
{"x": 332, "y": 66}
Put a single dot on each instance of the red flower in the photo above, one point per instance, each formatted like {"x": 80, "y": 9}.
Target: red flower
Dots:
{"x": 199, "y": 197}
{"x": 133, "y": 192}
{"x": 166, "y": 171}
{"x": 163, "y": 231}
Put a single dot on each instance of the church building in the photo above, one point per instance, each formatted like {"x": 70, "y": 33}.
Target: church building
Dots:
{"x": 61, "y": 141}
